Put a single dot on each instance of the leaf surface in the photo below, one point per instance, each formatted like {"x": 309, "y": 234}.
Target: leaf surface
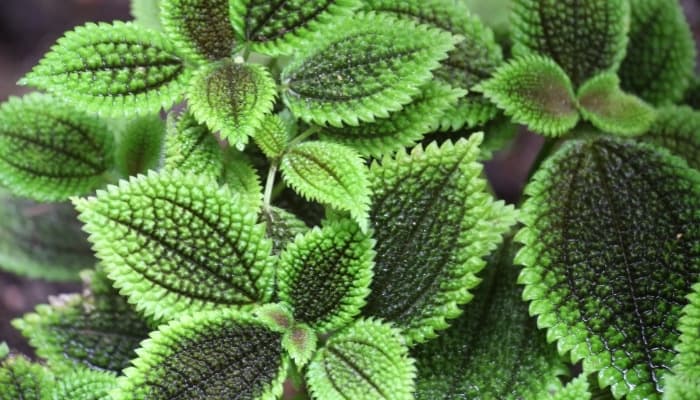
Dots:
{"x": 22, "y": 379}
{"x": 242, "y": 178}
{"x": 191, "y": 147}
{"x": 677, "y": 129}
{"x": 273, "y": 136}
{"x": 139, "y": 145}
{"x": 684, "y": 383}
{"x": 282, "y": 227}
{"x": 84, "y": 385}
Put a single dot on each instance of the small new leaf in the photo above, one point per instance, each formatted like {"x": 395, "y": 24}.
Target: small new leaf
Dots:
{"x": 677, "y": 129}
{"x": 191, "y": 147}
{"x": 84, "y": 385}
{"x": 536, "y": 92}
{"x": 113, "y": 69}
{"x": 139, "y": 145}
{"x": 272, "y": 136}
{"x": 22, "y": 379}
{"x": 242, "y": 178}
{"x": 300, "y": 342}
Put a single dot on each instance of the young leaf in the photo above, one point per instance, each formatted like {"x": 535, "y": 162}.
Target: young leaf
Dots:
{"x": 21, "y": 379}
{"x": 684, "y": 383}
{"x": 300, "y": 342}
{"x": 146, "y": 13}
{"x": 220, "y": 354}
{"x": 611, "y": 110}
{"x": 232, "y": 98}
{"x": 113, "y": 69}
{"x": 281, "y": 26}
{"x": 433, "y": 221}
{"x": 192, "y": 147}
{"x": 584, "y": 37}
{"x": 200, "y": 28}
{"x": 661, "y": 53}
{"x": 677, "y": 129}
{"x": 330, "y": 173}
{"x": 535, "y": 92}
{"x": 84, "y": 385}
{"x": 242, "y": 178}
{"x": 139, "y": 145}
{"x": 324, "y": 275}
{"x": 272, "y": 136}
{"x": 365, "y": 67}
{"x": 402, "y": 128}
{"x": 367, "y": 360}
{"x": 50, "y": 151}
{"x": 176, "y": 242}
{"x": 494, "y": 350}
{"x": 282, "y": 227}
{"x": 611, "y": 246}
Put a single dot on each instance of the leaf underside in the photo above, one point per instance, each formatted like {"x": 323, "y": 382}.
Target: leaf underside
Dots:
{"x": 21, "y": 379}
{"x": 611, "y": 246}
{"x": 139, "y": 145}
{"x": 433, "y": 221}
{"x": 146, "y": 13}
{"x": 84, "y": 385}
{"x": 677, "y": 129}
{"x": 191, "y": 147}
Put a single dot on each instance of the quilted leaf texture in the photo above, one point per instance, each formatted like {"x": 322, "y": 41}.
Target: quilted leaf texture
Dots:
{"x": 282, "y": 227}
{"x": 177, "y": 242}
{"x": 692, "y": 94}
{"x": 611, "y": 247}
{"x": 585, "y": 37}
{"x": 191, "y": 147}
{"x": 242, "y": 178}
{"x": 221, "y": 354}
{"x": 22, "y": 379}
{"x": 677, "y": 129}
{"x": 113, "y": 69}
{"x": 433, "y": 221}
{"x": 84, "y": 385}
{"x": 50, "y": 151}
{"x": 139, "y": 145}
{"x": 389, "y": 60}
{"x": 273, "y": 136}
{"x": 684, "y": 383}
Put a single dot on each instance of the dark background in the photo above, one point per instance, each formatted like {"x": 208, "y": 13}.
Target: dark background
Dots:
{"x": 28, "y": 28}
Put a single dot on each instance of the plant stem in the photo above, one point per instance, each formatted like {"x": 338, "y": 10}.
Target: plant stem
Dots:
{"x": 269, "y": 184}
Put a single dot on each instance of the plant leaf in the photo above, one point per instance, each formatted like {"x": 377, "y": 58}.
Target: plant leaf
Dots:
{"x": 281, "y": 27}
{"x": 146, "y": 13}
{"x": 433, "y": 221}
{"x": 113, "y": 69}
{"x": 367, "y": 360}
{"x": 612, "y": 110}
{"x": 300, "y": 342}
{"x": 661, "y": 53}
{"x": 577, "y": 389}
{"x": 191, "y": 147}
{"x": 217, "y": 354}
{"x": 84, "y": 385}
{"x": 324, "y": 275}
{"x": 611, "y": 246}
{"x": 494, "y": 350}
{"x": 534, "y": 91}
{"x": 242, "y": 178}
{"x": 232, "y": 98}
{"x": 392, "y": 58}
{"x": 174, "y": 242}
{"x": 22, "y": 379}
{"x": 692, "y": 94}
{"x": 330, "y": 173}
{"x": 4, "y": 350}
{"x": 684, "y": 382}
{"x": 50, "y": 151}
{"x": 282, "y": 227}
{"x": 200, "y": 28}
{"x": 139, "y": 145}
{"x": 273, "y": 136}
{"x": 585, "y": 38}
{"x": 402, "y": 128}
{"x": 678, "y": 130}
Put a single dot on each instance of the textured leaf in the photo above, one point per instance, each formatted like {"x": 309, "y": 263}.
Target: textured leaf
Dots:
{"x": 585, "y": 37}
{"x": 232, "y": 98}
{"x": 611, "y": 246}
{"x": 21, "y": 379}
{"x": 367, "y": 360}
{"x": 191, "y": 147}
{"x": 433, "y": 222}
{"x": 200, "y": 28}
{"x": 365, "y": 67}
{"x": 612, "y": 110}
{"x": 310, "y": 212}
{"x": 174, "y": 242}
{"x": 300, "y": 342}
{"x": 324, "y": 275}
{"x": 692, "y": 94}
{"x": 577, "y": 389}
{"x": 242, "y": 178}
{"x": 219, "y": 354}
{"x": 146, "y": 13}
{"x": 685, "y": 381}
{"x": 281, "y": 26}
{"x": 535, "y": 92}
{"x": 677, "y": 129}
{"x": 139, "y": 145}
{"x": 113, "y": 69}
{"x": 50, "y": 151}
{"x": 494, "y": 350}
{"x": 273, "y": 136}
{"x": 474, "y": 58}
{"x": 661, "y": 53}
{"x": 84, "y": 385}
{"x": 402, "y": 128}
{"x": 282, "y": 227}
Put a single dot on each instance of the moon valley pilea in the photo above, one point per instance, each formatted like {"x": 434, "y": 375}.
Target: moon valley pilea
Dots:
{"x": 285, "y": 199}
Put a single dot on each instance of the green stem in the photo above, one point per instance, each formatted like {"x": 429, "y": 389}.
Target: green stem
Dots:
{"x": 269, "y": 185}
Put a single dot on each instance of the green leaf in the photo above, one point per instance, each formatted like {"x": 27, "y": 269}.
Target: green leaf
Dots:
{"x": 21, "y": 379}
{"x": 300, "y": 342}
{"x": 536, "y": 92}
{"x": 272, "y": 136}
{"x": 364, "y": 68}
{"x": 281, "y": 26}
{"x": 692, "y": 94}
{"x": 661, "y": 53}
{"x": 113, "y": 69}
{"x": 4, "y": 350}
{"x": 329, "y": 173}
{"x": 177, "y": 242}
{"x": 474, "y": 58}
{"x": 324, "y": 275}
{"x": 684, "y": 383}
{"x": 242, "y": 178}
{"x": 84, "y": 385}
{"x": 232, "y": 98}
{"x": 367, "y": 360}
{"x": 50, "y": 151}
{"x": 146, "y": 13}
{"x": 678, "y": 130}
{"x": 200, "y": 28}
{"x": 494, "y": 350}
{"x": 612, "y": 110}
{"x": 611, "y": 246}
{"x": 585, "y": 38}
{"x": 577, "y": 389}
{"x": 220, "y": 354}
{"x": 403, "y": 128}
{"x": 433, "y": 221}
{"x": 192, "y": 147}
{"x": 281, "y": 227}
{"x": 139, "y": 145}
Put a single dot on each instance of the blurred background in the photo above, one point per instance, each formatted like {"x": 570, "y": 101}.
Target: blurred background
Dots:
{"x": 28, "y": 28}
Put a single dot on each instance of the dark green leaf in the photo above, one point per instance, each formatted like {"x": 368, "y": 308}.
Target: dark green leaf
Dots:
{"x": 84, "y": 385}
{"x": 192, "y": 147}
{"x": 139, "y": 145}
{"x": 677, "y": 129}
{"x": 692, "y": 94}
{"x": 282, "y": 227}
{"x": 21, "y": 379}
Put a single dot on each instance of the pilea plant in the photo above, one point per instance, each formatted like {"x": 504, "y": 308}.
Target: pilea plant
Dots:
{"x": 380, "y": 265}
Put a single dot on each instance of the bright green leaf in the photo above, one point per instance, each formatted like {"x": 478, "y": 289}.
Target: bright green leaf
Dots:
{"x": 139, "y": 145}
{"x": 300, "y": 342}
{"x": 113, "y": 69}
{"x": 273, "y": 136}
{"x": 677, "y": 129}
{"x": 191, "y": 147}
{"x": 577, "y": 389}
{"x": 281, "y": 227}
{"x": 146, "y": 13}
{"x": 4, "y": 350}
{"x": 684, "y": 383}
{"x": 433, "y": 221}
{"x": 277, "y": 316}
{"x": 242, "y": 178}
{"x": 21, "y": 379}
{"x": 364, "y": 68}
{"x": 84, "y": 385}
{"x": 611, "y": 247}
